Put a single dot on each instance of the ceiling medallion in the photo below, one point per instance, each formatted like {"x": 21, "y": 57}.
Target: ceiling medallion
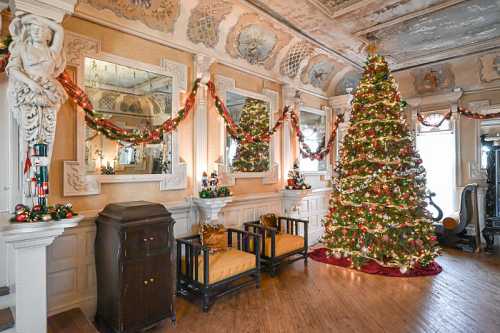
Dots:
{"x": 255, "y": 43}
{"x": 256, "y": 40}
{"x": 319, "y": 72}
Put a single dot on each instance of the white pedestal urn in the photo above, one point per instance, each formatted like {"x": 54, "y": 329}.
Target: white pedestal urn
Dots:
{"x": 209, "y": 208}
{"x": 29, "y": 243}
{"x": 292, "y": 200}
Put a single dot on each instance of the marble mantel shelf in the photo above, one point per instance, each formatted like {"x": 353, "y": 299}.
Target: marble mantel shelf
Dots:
{"x": 27, "y": 227}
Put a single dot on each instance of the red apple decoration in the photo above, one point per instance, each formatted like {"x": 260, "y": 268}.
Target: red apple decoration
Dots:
{"x": 69, "y": 215}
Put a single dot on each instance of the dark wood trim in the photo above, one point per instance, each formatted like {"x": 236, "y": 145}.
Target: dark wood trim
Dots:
{"x": 287, "y": 225}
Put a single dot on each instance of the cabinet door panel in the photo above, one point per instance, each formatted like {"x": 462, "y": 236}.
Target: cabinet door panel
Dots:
{"x": 160, "y": 293}
{"x": 158, "y": 238}
{"x": 132, "y": 301}
{"x": 134, "y": 243}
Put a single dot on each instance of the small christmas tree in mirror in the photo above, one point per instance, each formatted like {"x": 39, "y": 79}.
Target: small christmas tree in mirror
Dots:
{"x": 296, "y": 179}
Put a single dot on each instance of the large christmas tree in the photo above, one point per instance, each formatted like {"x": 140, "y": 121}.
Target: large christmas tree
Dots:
{"x": 253, "y": 156}
{"x": 377, "y": 208}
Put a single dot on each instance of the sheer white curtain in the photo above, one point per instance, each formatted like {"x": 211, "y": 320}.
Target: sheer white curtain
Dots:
{"x": 437, "y": 150}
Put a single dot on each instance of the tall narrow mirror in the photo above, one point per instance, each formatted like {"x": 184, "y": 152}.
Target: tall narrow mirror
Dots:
{"x": 313, "y": 125}
{"x": 253, "y": 116}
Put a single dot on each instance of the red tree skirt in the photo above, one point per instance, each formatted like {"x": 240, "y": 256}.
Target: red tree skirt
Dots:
{"x": 373, "y": 267}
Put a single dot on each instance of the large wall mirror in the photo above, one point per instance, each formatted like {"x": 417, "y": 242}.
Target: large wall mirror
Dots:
{"x": 313, "y": 124}
{"x": 132, "y": 99}
{"x": 133, "y": 95}
{"x": 255, "y": 113}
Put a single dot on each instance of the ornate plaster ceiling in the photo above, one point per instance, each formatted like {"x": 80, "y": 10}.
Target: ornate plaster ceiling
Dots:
{"x": 409, "y": 32}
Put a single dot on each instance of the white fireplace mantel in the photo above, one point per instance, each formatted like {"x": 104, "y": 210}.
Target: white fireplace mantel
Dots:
{"x": 28, "y": 242}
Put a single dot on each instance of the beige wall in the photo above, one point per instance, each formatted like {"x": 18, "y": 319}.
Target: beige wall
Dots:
{"x": 467, "y": 76}
{"x": 135, "y": 48}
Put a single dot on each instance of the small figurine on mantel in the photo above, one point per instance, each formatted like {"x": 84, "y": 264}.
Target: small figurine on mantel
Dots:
{"x": 210, "y": 187}
{"x": 296, "y": 180}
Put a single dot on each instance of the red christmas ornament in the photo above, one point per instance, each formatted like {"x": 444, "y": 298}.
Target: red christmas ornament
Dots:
{"x": 23, "y": 217}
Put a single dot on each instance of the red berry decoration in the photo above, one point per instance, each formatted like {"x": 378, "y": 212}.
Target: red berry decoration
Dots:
{"x": 69, "y": 215}
{"x": 23, "y": 217}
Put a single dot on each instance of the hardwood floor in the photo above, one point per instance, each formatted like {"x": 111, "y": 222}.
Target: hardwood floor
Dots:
{"x": 71, "y": 321}
{"x": 465, "y": 297}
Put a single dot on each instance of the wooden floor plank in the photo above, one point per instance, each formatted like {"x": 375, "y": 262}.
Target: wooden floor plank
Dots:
{"x": 71, "y": 321}
{"x": 465, "y": 297}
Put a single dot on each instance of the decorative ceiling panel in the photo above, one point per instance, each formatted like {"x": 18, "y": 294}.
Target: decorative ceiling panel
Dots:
{"x": 332, "y": 6}
{"x": 293, "y": 59}
{"x": 156, "y": 14}
{"x": 468, "y": 23}
{"x": 203, "y": 26}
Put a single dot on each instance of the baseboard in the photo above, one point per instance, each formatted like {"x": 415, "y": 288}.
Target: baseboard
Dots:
{"x": 86, "y": 304}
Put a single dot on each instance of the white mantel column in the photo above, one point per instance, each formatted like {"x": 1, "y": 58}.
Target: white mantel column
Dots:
{"x": 202, "y": 70}
{"x": 29, "y": 248}
{"x": 28, "y": 242}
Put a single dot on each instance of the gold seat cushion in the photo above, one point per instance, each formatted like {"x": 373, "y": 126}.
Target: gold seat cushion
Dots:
{"x": 223, "y": 265}
{"x": 451, "y": 222}
{"x": 285, "y": 243}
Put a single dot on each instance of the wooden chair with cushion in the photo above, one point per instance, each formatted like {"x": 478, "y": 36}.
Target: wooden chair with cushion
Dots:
{"x": 452, "y": 231}
{"x": 281, "y": 240}
{"x": 217, "y": 265}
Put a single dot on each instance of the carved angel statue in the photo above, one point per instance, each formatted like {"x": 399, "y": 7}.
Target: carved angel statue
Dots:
{"x": 36, "y": 60}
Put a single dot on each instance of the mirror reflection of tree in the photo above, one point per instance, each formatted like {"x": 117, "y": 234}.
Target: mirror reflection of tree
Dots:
{"x": 252, "y": 115}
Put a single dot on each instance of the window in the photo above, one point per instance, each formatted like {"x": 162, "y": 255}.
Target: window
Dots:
{"x": 437, "y": 150}
{"x": 313, "y": 126}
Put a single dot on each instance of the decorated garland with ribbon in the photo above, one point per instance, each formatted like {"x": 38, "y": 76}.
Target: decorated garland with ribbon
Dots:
{"x": 421, "y": 120}
{"x": 475, "y": 115}
{"x": 147, "y": 135}
{"x": 462, "y": 111}
{"x": 4, "y": 53}
{"x": 236, "y": 131}
{"x": 323, "y": 149}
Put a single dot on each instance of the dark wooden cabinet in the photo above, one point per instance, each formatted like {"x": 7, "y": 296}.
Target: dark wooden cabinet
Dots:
{"x": 135, "y": 264}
